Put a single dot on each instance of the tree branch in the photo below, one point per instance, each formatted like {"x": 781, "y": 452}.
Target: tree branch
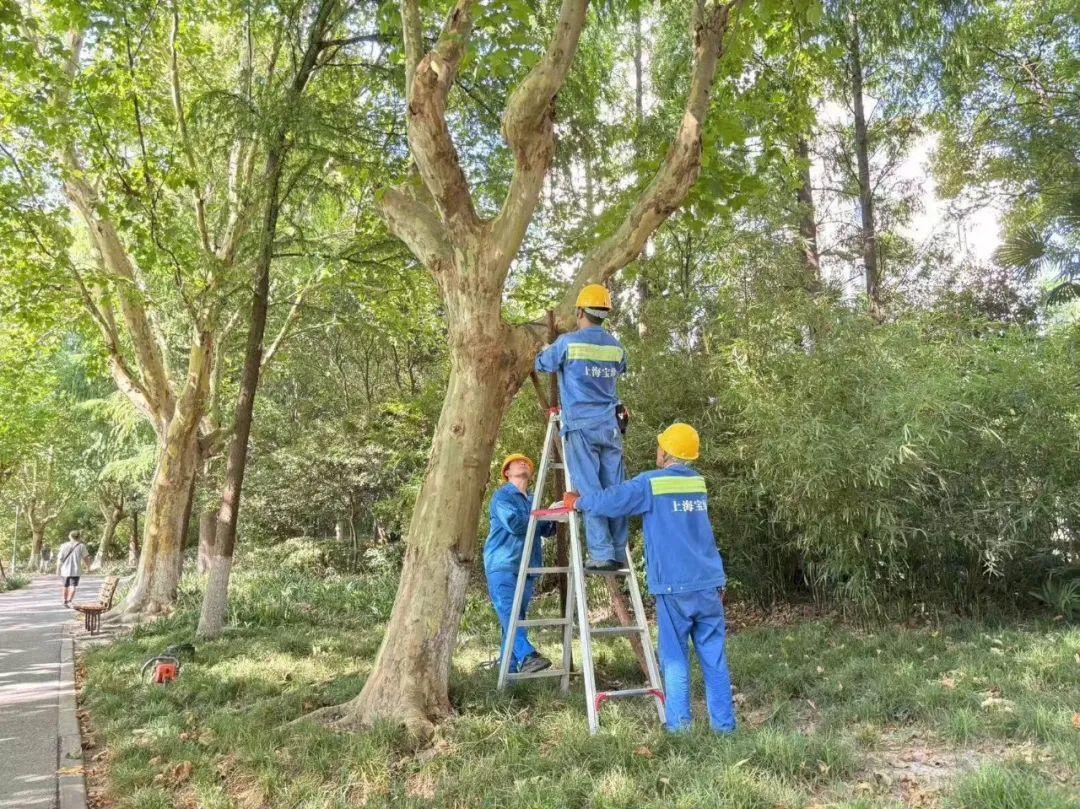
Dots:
{"x": 528, "y": 126}
{"x": 676, "y": 176}
{"x": 287, "y": 326}
{"x": 417, "y": 225}
{"x": 412, "y": 30}
{"x": 181, "y": 122}
{"x": 429, "y": 136}
{"x": 128, "y": 383}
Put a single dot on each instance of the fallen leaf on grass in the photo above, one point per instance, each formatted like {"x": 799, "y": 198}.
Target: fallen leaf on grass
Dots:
{"x": 948, "y": 682}
{"x": 1076, "y": 720}
{"x": 182, "y": 772}
{"x": 644, "y": 752}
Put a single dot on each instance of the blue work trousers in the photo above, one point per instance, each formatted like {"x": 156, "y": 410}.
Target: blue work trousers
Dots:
{"x": 698, "y": 615}
{"x": 501, "y": 589}
{"x": 596, "y": 462}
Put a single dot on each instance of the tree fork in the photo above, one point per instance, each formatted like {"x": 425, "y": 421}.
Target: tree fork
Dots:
{"x": 490, "y": 360}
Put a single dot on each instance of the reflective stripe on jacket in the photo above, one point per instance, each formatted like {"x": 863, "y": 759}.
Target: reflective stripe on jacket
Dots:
{"x": 680, "y": 549}
{"x": 589, "y": 362}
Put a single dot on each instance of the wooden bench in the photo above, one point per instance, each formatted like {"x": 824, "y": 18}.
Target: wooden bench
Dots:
{"x": 104, "y": 603}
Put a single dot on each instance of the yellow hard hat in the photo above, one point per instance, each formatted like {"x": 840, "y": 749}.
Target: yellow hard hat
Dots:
{"x": 681, "y": 441}
{"x": 594, "y": 296}
{"x": 517, "y": 456}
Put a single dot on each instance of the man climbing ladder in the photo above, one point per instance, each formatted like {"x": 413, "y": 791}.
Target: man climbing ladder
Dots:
{"x": 683, "y": 569}
{"x": 576, "y": 608}
{"x": 588, "y": 363}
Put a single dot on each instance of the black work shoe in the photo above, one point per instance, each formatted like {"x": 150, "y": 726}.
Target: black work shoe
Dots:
{"x": 607, "y": 566}
{"x": 534, "y": 662}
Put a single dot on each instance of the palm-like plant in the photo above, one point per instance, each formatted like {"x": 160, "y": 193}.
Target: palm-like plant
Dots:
{"x": 1051, "y": 252}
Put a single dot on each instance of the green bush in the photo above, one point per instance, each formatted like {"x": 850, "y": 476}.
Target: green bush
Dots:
{"x": 13, "y": 582}
{"x": 926, "y": 464}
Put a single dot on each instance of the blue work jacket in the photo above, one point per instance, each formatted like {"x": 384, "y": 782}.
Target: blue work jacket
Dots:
{"x": 510, "y": 511}
{"x": 680, "y": 550}
{"x": 589, "y": 362}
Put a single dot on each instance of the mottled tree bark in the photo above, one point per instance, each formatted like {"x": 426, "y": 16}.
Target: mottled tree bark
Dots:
{"x": 207, "y": 535}
{"x": 154, "y": 591}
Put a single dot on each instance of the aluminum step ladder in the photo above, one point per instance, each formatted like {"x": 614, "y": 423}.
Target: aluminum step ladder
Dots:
{"x": 577, "y": 608}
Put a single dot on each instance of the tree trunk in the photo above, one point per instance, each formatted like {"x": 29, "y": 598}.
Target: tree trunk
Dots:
{"x": 167, "y": 505}
{"x": 207, "y": 535}
{"x": 409, "y": 681}
{"x": 185, "y": 532}
{"x": 866, "y": 192}
{"x": 215, "y": 603}
{"x": 807, "y": 216}
{"x": 112, "y": 519}
{"x": 38, "y": 533}
{"x": 133, "y": 542}
{"x": 340, "y": 534}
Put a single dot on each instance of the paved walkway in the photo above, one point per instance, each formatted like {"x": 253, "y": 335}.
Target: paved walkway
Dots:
{"x": 32, "y": 622}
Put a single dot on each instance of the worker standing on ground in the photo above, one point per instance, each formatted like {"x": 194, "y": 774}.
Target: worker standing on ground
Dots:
{"x": 510, "y": 508}
{"x": 69, "y": 560}
{"x": 588, "y": 362}
{"x": 683, "y": 569}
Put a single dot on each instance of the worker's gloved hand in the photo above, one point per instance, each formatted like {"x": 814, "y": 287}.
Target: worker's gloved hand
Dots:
{"x": 570, "y": 499}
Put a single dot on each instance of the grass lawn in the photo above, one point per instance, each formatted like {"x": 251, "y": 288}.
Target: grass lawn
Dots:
{"x": 965, "y": 716}
{"x": 13, "y": 582}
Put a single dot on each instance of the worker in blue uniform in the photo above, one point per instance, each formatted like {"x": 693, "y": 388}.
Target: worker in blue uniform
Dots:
{"x": 588, "y": 362}
{"x": 683, "y": 569}
{"x": 510, "y": 508}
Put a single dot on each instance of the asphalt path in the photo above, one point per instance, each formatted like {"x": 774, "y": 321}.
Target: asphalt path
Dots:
{"x": 32, "y": 625}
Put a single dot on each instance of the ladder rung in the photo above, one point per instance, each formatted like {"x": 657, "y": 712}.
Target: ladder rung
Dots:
{"x": 542, "y": 622}
{"x": 538, "y": 570}
{"x": 556, "y": 465}
{"x": 621, "y": 572}
{"x": 626, "y": 692}
{"x": 532, "y": 675}
{"x": 617, "y": 630}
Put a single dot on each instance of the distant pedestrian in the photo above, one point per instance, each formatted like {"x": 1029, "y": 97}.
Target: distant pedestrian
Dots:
{"x": 69, "y": 561}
